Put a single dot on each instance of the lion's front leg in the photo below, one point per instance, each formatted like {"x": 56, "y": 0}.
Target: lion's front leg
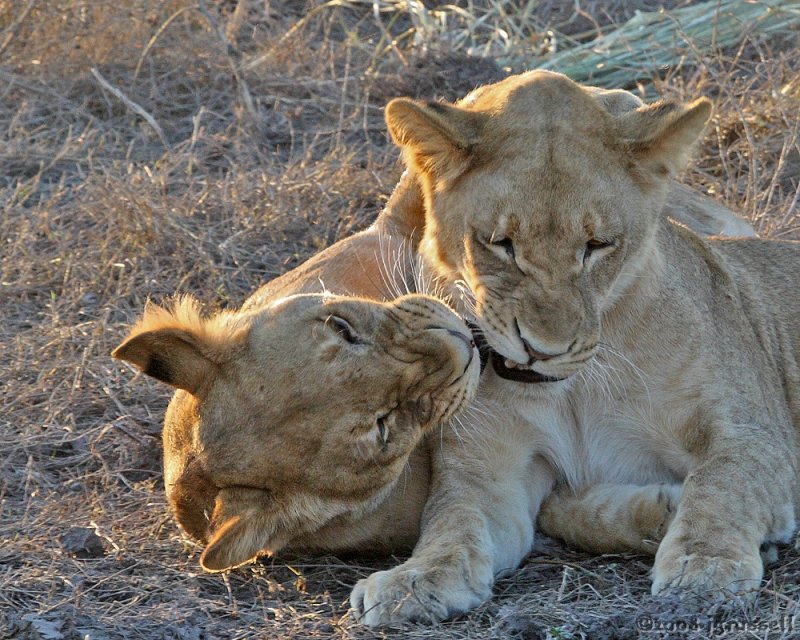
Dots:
{"x": 442, "y": 579}
{"x": 731, "y": 504}
{"x": 478, "y": 523}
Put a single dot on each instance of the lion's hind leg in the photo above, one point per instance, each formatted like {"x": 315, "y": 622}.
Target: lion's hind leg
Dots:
{"x": 610, "y": 518}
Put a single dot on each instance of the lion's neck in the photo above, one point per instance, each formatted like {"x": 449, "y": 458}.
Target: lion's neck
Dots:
{"x": 404, "y": 213}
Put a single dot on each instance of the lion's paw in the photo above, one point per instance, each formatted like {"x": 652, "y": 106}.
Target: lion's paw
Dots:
{"x": 707, "y": 576}
{"x": 408, "y": 594}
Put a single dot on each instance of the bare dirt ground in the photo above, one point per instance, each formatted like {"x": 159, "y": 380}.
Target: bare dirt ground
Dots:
{"x": 152, "y": 147}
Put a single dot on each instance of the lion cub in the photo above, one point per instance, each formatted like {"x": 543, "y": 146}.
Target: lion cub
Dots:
{"x": 299, "y": 421}
{"x": 256, "y": 455}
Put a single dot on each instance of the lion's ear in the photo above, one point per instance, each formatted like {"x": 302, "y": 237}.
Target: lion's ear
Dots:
{"x": 615, "y": 101}
{"x": 242, "y": 529}
{"x": 236, "y": 542}
{"x": 661, "y": 135}
{"x": 437, "y": 137}
{"x": 177, "y": 345}
{"x": 172, "y": 355}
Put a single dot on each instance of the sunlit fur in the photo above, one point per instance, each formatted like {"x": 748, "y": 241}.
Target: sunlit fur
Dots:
{"x": 378, "y": 263}
{"x": 295, "y": 420}
{"x": 678, "y": 411}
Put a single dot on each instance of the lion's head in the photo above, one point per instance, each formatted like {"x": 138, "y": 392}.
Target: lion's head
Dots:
{"x": 544, "y": 197}
{"x": 297, "y": 413}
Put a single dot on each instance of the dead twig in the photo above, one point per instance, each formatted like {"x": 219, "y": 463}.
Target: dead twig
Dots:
{"x": 155, "y": 37}
{"x": 11, "y": 31}
{"x": 133, "y": 106}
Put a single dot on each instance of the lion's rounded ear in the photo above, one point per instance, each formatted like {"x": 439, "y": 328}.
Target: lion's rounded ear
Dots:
{"x": 438, "y": 137}
{"x": 179, "y": 346}
{"x": 661, "y": 135}
{"x": 172, "y": 355}
{"x": 243, "y": 527}
{"x": 234, "y": 543}
{"x": 615, "y": 101}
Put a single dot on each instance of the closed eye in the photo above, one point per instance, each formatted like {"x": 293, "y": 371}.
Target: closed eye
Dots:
{"x": 343, "y": 328}
{"x": 504, "y": 243}
{"x": 383, "y": 429}
{"x": 596, "y": 244}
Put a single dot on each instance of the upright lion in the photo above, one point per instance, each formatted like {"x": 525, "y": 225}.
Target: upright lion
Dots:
{"x": 652, "y": 366}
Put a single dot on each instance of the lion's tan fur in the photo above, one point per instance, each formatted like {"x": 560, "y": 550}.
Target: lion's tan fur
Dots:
{"x": 371, "y": 264}
{"x": 678, "y": 355}
{"x": 271, "y": 440}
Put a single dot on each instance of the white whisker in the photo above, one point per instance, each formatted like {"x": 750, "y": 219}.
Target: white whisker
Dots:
{"x": 478, "y": 409}
{"x": 628, "y": 363}
{"x": 452, "y": 424}
{"x": 383, "y": 268}
{"x": 481, "y": 430}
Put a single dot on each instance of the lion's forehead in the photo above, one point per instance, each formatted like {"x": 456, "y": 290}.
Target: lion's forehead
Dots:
{"x": 572, "y": 148}
{"x": 533, "y": 197}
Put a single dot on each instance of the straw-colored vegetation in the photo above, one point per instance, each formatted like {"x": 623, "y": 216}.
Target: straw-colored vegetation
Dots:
{"x": 148, "y": 147}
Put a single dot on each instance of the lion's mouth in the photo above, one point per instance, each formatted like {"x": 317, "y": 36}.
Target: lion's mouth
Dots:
{"x": 515, "y": 373}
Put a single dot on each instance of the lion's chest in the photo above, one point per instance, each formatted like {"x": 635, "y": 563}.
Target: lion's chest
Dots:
{"x": 591, "y": 439}
{"x": 624, "y": 446}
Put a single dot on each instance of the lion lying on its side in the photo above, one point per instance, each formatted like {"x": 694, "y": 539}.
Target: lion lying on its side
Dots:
{"x": 293, "y": 422}
{"x": 256, "y": 456}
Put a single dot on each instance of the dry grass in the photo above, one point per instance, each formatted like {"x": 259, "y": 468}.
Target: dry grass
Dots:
{"x": 199, "y": 147}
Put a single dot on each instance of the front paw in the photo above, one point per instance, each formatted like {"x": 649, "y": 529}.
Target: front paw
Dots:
{"x": 412, "y": 594}
{"x": 706, "y": 576}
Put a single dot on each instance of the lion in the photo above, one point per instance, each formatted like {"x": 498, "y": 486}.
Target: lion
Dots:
{"x": 267, "y": 486}
{"x": 271, "y": 441}
{"x": 647, "y": 374}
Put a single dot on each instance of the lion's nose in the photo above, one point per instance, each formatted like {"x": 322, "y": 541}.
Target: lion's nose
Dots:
{"x": 533, "y": 353}
{"x": 466, "y": 338}
{"x": 461, "y": 352}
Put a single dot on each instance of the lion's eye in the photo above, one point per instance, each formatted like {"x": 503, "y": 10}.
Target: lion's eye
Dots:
{"x": 344, "y": 329}
{"x": 595, "y": 244}
{"x": 504, "y": 243}
{"x": 383, "y": 429}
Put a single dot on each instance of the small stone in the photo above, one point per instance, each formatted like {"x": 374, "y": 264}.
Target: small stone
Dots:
{"x": 83, "y": 543}
{"x": 90, "y": 299}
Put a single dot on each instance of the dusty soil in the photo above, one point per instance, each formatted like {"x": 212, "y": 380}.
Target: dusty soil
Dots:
{"x": 153, "y": 147}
